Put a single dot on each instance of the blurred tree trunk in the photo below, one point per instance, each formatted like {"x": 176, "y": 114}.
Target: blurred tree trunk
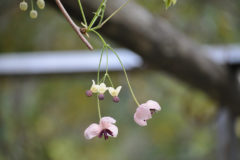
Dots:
{"x": 164, "y": 48}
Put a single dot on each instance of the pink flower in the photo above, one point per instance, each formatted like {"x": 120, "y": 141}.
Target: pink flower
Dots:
{"x": 144, "y": 112}
{"x": 105, "y": 128}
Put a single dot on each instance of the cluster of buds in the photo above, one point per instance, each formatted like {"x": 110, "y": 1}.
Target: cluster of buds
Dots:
{"x": 100, "y": 89}
{"x": 33, "y": 13}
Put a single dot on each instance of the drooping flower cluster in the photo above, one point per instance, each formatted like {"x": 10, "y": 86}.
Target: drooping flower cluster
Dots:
{"x": 106, "y": 127}
{"x": 101, "y": 89}
{"x": 33, "y": 13}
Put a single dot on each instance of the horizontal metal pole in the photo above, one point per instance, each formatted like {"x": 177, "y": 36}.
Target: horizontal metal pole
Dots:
{"x": 61, "y": 62}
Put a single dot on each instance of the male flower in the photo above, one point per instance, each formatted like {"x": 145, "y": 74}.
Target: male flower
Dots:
{"x": 114, "y": 92}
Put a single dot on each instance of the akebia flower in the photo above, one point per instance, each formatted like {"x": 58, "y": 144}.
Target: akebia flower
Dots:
{"x": 101, "y": 90}
{"x": 94, "y": 89}
{"x": 105, "y": 128}
{"x": 144, "y": 112}
{"x": 114, "y": 92}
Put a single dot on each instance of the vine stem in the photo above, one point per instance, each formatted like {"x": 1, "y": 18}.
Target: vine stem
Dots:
{"x": 120, "y": 61}
{"x": 97, "y": 14}
{"x": 109, "y": 78}
{"x": 99, "y": 65}
{"x": 98, "y": 75}
{"x": 125, "y": 73}
{"x": 99, "y": 109}
{"x": 74, "y": 26}
{"x": 83, "y": 15}
{"x": 114, "y": 13}
{"x": 32, "y": 4}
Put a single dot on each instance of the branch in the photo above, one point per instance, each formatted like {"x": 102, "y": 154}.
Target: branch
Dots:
{"x": 74, "y": 26}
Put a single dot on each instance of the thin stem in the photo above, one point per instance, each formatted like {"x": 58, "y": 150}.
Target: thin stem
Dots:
{"x": 32, "y": 4}
{"x": 107, "y": 61}
{"x": 124, "y": 70}
{"x": 109, "y": 78}
{"x": 98, "y": 74}
{"x": 103, "y": 41}
{"x": 103, "y": 78}
{"x": 99, "y": 65}
{"x": 99, "y": 109}
{"x": 114, "y": 13}
{"x": 74, "y": 26}
{"x": 96, "y": 14}
{"x": 83, "y": 15}
{"x": 125, "y": 73}
{"x": 102, "y": 12}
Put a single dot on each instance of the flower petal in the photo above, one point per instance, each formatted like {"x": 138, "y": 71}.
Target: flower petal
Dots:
{"x": 111, "y": 90}
{"x": 118, "y": 89}
{"x": 93, "y": 82}
{"x": 142, "y": 114}
{"x": 153, "y": 105}
{"x": 113, "y": 129}
{"x": 102, "y": 88}
{"x": 92, "y": 131}
{"x": 139, "y": 121}
{"x": 105, "y": 122}
{"x": 94, "y": 88}
{"x": 108, "y": 120}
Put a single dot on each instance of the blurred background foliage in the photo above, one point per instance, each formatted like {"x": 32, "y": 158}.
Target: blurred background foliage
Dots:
{"x": 44, "y": 117}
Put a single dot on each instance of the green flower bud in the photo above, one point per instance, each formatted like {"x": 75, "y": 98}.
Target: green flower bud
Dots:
{"x": 169, "y": 3}
{"x": 41, "y": 4}
{"x": 23, "y": 6}
{"x": 33, "y": 14}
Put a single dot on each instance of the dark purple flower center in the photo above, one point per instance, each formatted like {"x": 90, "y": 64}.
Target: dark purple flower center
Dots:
{"x": 105, "y": 133}
{"x": 152, "y": 111}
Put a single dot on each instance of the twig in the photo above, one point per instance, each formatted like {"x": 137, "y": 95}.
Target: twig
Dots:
{"x": 115, "y": 12}
{"x": 74, "y": 26}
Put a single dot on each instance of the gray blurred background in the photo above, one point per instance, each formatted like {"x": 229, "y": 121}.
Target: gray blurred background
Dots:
{"x": 43, "y": 116}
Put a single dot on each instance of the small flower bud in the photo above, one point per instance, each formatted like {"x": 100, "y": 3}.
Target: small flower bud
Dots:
{"x": 41, "y": 4}
{"x": 116, "y": 99}
{"x": 101, "y": 96}
{"x": 89, "y": 93}
{"x": 23, "y": 6}
{"x": 33, "y": 14}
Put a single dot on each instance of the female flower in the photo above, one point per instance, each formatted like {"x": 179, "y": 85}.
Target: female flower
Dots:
{"x": 105, "y": 128}
{"x": 144, "y": 112}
